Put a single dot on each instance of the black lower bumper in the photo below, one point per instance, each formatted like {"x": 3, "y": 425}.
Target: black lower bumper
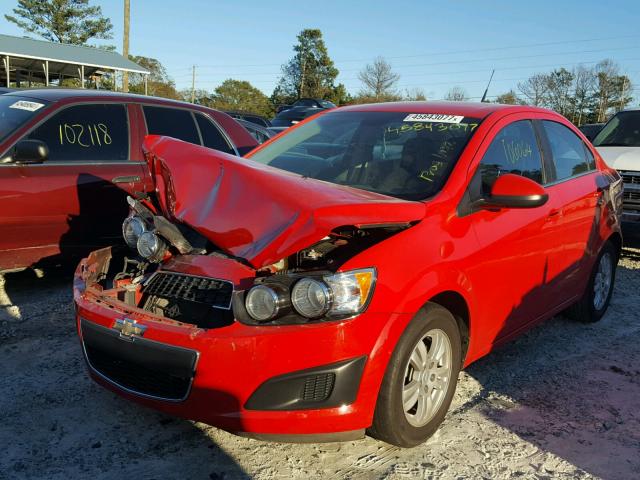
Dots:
{"x": 327, "y": 386}
{"x": 138, "y": 365}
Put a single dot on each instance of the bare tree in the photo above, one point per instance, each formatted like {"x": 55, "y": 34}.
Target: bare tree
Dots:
{"x": 612, "y": 89}
{"x": 535, "y": 89}
{"x": 456, "y": 94}
{"x": 378, "y": 79}
{"x": 584, "y": 85}
{"x": 415, "y": 94}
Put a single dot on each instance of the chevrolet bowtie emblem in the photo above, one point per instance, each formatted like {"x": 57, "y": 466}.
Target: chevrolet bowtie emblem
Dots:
{"x": 129, "y": 328}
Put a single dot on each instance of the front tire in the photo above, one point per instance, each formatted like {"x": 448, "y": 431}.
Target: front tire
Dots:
{"x": 595, "y": 300}
{"x": 420, "y": 380}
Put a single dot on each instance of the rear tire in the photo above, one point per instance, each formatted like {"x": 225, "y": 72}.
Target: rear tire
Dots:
{"x": 420, "y": 379}
{"x": 595, "y": 300}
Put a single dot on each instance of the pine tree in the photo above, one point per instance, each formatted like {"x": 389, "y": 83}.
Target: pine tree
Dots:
{"x": 310, "y": 73}
{"x": 63, "y": 21}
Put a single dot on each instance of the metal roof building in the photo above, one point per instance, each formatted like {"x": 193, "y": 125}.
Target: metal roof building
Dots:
{"x": 26, "y": 60}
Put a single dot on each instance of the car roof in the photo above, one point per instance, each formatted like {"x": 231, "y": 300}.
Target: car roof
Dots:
{"x": 55, "y": 94}
{"x": 468, "y": 109}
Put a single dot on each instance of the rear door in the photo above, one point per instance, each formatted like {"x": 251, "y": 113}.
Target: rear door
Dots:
{"x": 188, "y": 125}
{"x": 75, "y": 200}
{"x": 574, "y": 175}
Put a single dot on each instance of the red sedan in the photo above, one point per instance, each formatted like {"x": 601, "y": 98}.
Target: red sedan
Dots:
{"x": 336, "y": 281}
{"x": 69, "y": 158}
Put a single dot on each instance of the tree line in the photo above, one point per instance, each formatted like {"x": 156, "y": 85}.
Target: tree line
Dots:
{"x": 582, "y": 94}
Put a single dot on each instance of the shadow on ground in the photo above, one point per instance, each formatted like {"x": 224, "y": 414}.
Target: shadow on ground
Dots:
{"x": 571, "y": 389}
{"x": 56, "y": 423}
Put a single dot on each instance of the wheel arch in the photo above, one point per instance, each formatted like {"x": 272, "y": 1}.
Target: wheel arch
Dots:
{"x": 616, "y": 239}
{"x": 457, "y": 305}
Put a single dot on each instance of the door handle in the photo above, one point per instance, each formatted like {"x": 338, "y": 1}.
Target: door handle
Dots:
{"x": 126, "y": 179}
{"x": 554, "y": 213}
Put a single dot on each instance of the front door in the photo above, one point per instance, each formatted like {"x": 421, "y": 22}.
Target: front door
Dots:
{"x": 515, "y": 243}
{"x": 75, "y": 200}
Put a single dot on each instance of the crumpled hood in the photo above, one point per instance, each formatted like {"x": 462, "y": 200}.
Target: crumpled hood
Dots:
{"x": 621, "y": 158}
{"x": 255, "y": 212}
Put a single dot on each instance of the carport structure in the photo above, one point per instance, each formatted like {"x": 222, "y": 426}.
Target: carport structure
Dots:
{"x": 25, "y": 61}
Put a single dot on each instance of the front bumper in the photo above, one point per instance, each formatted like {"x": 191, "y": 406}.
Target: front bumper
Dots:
{"x": 230, "y": 375}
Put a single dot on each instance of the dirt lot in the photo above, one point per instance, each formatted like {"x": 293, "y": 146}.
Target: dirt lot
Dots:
{"x": 561, "y": 402}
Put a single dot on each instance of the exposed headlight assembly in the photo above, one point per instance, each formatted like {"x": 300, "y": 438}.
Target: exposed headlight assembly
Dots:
{"x": 335, "y": 296}
{"x": 132, "y": 227}
{"x": 264, "y": 302}
{"x": 151, "y": 246}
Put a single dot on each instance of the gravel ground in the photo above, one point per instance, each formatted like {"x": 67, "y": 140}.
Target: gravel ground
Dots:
{"x": 560, "y": 402}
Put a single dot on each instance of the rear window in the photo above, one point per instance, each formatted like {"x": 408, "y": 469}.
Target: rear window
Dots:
{"x": 211, "y": 136}
{"x": 15, "y": 111}
{"x": 623, "y": 130}
{"x": 569, "y": 152}
{"x": 171, "y": 122}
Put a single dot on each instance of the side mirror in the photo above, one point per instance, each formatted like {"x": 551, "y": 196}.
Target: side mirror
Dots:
{"x": 30, "y": 151}
{"x": 514, "y": 191}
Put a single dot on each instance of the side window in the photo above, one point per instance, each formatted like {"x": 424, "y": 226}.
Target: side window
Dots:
{"x": 172, "y": 122}
{"x": 211, "y": 136}
{"x": 570, "y": 155}
{"x": 97, "y": 132}
{"x": 513, "y": 150}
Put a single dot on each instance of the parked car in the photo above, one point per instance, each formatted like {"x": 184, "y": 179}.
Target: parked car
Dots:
{"x": 380, "y": 249}
{"x": 619, "y": 144}
{"x": 276, "y": 130}
{"x": 590, "y": 130}
{"x": 69, "y": 158}
{"x": 261, "y": 134}
{"x": 303, "y": 108}
{"x": 249, "y": 117}
{"x": 307, "y": 103}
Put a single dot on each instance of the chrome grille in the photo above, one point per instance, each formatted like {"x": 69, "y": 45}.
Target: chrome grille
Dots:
{"x": 633, "y": 196}
{"x": 631, "y": 178}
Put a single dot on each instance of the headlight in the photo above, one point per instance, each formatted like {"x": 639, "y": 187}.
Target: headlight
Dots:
{"x": 151, "y": 246}
{"x": 351, "y": 291}
{"x": 337, "y": 296}
{"x": 264, "y": 303}
{"x": 132, "y": 228}
{"x": 311, "y": 298}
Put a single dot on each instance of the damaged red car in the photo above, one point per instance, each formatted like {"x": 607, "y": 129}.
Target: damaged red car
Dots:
{"x": 336, "y": 280}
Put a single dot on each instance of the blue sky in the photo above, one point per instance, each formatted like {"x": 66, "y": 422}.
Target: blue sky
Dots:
{"x": 432, "y": 45}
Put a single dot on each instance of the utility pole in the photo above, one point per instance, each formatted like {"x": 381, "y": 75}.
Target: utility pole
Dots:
{"x": 193, "y": 85}
{"x": 624, "y": 88}
{"x": 125, "y": 45}
{"x": 302, "y": 77}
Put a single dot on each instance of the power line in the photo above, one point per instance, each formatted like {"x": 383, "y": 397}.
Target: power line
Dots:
{"x": 455, "y": 62}
{"x": 449, "y": 52}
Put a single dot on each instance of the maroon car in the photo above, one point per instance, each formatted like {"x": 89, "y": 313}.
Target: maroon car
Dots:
{"x": 68, "y": 159}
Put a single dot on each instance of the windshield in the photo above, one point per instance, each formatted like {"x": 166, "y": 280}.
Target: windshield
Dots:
{"x": 15, "y": 111}
{"x": 623, "y": 130}
{"x": 400, "y": 154}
